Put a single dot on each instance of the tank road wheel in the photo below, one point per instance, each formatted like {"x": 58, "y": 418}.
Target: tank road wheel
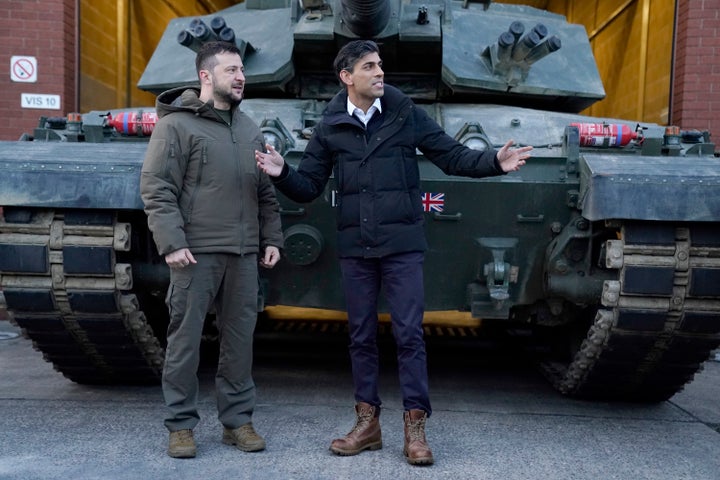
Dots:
{"x": 657, "y": 323}
{"x": 60, "y": 278}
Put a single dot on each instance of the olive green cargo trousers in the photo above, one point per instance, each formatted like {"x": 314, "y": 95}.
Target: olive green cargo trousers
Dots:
{"x": 230, "y": 283}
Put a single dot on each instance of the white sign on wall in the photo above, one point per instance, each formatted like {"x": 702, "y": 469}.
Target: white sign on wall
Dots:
{"x": 23, "y": 69}
{"x": 40, "y": 100}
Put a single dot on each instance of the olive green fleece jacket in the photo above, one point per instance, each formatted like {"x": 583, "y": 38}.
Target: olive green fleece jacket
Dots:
{"x": 200, "y": 183}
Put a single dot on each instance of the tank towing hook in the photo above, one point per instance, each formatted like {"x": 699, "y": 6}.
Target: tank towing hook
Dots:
{"x": 499, "y": 273}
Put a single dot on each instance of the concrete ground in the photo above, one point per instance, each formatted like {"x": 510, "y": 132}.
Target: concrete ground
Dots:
{"x": 494, "y": 418}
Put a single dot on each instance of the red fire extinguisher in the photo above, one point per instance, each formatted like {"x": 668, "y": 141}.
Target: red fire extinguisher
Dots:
{"x": 133, "y": 123}
{"x": 605, "y": 134}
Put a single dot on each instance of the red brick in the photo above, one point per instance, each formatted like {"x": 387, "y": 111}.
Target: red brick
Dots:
{"x": 703, "y": 67}
{"x": 43, "y": 29}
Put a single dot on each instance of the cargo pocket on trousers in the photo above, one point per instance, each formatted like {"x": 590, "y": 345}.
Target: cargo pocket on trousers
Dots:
{"x": 177, "y": 290}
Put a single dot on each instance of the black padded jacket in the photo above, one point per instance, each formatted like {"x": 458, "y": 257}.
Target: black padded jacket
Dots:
{"x": 379, "y": 207}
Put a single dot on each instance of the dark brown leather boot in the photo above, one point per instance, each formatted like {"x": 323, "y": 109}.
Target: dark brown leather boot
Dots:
{"x": 416, "y": 449}
{"x": 365, "y": 435}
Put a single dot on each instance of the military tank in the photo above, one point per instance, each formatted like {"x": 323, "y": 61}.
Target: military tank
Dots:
{"x": 604, "y": 248}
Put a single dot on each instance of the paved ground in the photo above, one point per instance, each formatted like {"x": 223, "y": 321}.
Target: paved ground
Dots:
{"x": 493, "y": 419}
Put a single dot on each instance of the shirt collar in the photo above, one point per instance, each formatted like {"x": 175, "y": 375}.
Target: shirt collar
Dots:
{"x": 351, "y": 107}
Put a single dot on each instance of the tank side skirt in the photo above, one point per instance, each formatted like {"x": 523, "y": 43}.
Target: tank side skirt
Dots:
{"x": 87, "y": 323}
{"x": 649, "y": 338}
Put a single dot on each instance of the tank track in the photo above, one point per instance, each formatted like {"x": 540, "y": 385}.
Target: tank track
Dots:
{"x": 657, "y": 324}
{"x": 68, "y": 294}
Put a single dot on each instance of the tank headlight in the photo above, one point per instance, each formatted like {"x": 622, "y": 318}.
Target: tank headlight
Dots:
{"x": 272, "y": 137}
{"x": 277, "y": 135}
{"x": 476, "y": 143}
{"x": 473, "y": 136}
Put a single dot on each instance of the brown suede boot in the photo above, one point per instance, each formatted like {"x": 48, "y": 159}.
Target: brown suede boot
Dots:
{"x": 416, "y": 449}
{"x": 244, "y": 438}
{"x": 181, "y": 444}
{"x": 365, "y": 435}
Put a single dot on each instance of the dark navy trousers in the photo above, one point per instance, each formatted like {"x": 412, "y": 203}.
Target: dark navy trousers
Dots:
{"x": 400, "y": 278}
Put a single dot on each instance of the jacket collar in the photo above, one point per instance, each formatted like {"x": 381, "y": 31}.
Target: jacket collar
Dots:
{"x": 186, "y": 99}
{"x": 393, "y": 102}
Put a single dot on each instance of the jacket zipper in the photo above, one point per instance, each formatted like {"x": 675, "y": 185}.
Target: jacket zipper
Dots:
{"x": 203, "y": 161}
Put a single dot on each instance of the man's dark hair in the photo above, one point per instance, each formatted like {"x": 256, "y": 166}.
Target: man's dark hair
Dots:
{"x": 351, "y": 52}
{"x": 205, "y": 59}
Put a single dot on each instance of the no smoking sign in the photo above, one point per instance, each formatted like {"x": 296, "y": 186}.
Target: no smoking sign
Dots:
{"x": 23, "y": 69}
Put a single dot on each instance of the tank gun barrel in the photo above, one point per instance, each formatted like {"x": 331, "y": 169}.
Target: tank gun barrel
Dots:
{"x": 365, "y": 18}
{"x": 431, "y": 50}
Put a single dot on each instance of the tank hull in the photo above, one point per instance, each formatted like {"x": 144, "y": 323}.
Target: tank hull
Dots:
{"x": 543, "y": 249}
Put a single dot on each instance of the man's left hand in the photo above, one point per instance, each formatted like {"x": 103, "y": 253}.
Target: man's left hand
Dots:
{"x": 512, "y": 160}
{"x": 271, "y": 257}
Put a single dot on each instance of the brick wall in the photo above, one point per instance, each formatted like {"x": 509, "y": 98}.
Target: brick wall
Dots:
{"x": 44, "y": 29}
{"x": 696, "y": 85}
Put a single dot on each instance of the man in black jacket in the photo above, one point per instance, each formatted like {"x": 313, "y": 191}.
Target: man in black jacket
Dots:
{"x": 367, "y": 137}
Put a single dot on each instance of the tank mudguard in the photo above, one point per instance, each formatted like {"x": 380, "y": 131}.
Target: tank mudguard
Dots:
{"x": 650, "y": 188}
{"x": 71, "y": 175}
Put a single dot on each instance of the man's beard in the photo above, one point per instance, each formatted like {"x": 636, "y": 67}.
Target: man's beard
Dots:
{"x": 226, "y": 96}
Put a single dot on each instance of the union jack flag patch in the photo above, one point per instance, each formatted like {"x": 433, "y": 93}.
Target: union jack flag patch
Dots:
{"x": 433, "y": 202}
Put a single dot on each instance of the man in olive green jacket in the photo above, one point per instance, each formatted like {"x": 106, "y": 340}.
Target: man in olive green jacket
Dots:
{"x": 212, "y": 213}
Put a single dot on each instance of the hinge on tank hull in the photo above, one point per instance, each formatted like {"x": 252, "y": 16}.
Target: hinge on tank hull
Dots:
{"x": 488, "y": 295}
